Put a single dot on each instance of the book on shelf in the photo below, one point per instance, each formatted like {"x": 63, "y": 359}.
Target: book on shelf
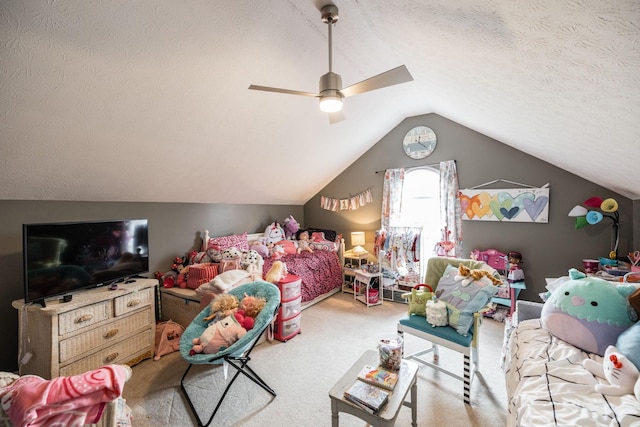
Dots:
{"x": 379, "y": 376}
{"x": 369, "y": 397}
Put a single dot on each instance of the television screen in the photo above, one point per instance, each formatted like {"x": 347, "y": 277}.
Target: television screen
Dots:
{"x": 63, "y": 257}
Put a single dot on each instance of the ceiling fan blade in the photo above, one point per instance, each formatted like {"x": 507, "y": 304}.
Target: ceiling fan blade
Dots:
{"x": 388, "y": 78}
{"x": 287, "y": 91}
{"x": 336, "y": 117}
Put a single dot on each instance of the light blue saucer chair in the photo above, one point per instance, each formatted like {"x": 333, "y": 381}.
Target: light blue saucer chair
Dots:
{"x": 238, "y": 354}
{"x": 447, "y": 336}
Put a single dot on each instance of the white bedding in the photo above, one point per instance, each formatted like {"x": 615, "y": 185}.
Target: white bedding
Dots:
{"x": 547, "y": 385}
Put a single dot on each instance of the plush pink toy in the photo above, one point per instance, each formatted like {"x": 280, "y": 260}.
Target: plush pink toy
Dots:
{"x": 218, "y": 336}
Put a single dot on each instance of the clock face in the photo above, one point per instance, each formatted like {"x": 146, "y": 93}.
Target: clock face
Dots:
{"x": 419, "y": 142}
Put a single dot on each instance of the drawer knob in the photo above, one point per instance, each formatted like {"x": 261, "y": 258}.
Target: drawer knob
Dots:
{"x": 111, "y": 357}
{"x": 84, "y": 318}
{"x": 112, "y": 333}
{"x": 134, "y": 302}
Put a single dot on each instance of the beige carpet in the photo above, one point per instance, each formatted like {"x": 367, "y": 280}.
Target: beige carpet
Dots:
{"x": 335, "y": 332}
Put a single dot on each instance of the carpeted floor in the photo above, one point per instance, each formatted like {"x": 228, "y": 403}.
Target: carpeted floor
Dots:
{"x": 335, "y": 332}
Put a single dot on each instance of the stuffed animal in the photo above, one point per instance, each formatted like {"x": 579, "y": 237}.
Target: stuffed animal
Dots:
{"x": 214, "y": 253}
{"x": 252, "y": 262}
{"x": 289, "y": 246}
{"x": 199, "y": 258}
{"x": 275, "y": 273}
{"x": 467, "y": 275}
{"x": 616, "y": 369}
{"x": 290, "y": 226}
{"x": 260, "y": 247}
{"x": 276, "y": 251}
{"x": 222, "y": 305}
{"x": 588, "y": 312}
{"x": 273, "y": 233}
{"x": 418, "y": 298}
{"x": 218, "y": 336}
{"x": 303, "y": 243}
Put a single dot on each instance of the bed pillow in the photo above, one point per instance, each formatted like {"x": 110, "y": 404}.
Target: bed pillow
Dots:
{"x": 463, "y": 301}
{"x": 225, "y": 242}
{"x": 629, "y": 344}
{"x": 324, "y": 245}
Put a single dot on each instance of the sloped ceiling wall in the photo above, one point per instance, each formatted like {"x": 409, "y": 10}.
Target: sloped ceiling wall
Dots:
{"x": 130, "y": 100}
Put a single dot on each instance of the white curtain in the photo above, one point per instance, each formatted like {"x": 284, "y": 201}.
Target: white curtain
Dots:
{"x": 450, "y": 211}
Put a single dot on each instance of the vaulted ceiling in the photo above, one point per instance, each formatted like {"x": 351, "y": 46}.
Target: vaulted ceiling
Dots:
{"x": 131, "y": 100}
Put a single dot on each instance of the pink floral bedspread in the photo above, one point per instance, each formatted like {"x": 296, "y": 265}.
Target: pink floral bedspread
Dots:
{"x": 320, "y": 271}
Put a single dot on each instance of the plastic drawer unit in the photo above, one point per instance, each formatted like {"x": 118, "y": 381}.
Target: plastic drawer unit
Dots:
{"x": 287, "y": 323}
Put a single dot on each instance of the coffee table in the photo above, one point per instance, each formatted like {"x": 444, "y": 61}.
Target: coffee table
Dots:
{"x": 389, "y": 413}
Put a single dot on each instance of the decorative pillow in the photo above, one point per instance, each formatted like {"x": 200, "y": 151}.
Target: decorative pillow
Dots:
{"x": 324, "y": 246}
{"x": 588, "y": 312}
{"x": 629, "y": 344}
{"x": 463, "y": 301}
{"x": 225, "y": 242}
{"x": 329, "y": 235}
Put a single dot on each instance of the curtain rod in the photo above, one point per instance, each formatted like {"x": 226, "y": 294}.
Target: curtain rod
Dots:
{"x": 416, "y": 167}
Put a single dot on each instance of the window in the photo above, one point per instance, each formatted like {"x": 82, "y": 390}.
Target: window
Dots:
{"x": 421, "y": 208}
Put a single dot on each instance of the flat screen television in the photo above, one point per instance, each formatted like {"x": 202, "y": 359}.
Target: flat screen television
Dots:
{"x": 63, "y": 257}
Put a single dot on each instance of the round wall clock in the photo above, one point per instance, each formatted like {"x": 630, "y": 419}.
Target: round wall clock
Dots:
{"x": 419, "y": 142}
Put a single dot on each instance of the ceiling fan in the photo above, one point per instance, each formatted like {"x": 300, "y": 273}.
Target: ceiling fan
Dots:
{"x": 331, "y": 92}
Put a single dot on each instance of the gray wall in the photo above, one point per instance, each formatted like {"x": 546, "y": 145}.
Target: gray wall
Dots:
{"x": 174, "y": 230}
{"x": 549, "y": 249}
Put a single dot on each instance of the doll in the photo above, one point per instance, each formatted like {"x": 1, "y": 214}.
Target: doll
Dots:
{"x": 303, "y": 243}
{"x": 218, "y": 336}
{"x": 275, "y": 273}
{"x": 222, "y": 305}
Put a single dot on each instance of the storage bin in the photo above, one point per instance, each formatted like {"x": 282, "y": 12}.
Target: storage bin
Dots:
{"x": 290, "y": 309}
{"x": 289, "y": 287}
{"x": 286, "y": 329}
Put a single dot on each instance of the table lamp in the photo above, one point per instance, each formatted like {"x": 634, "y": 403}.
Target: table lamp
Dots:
{"x": 357, "y": 240}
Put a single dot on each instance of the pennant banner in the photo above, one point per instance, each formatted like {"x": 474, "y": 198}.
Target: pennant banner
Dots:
{"x": 350, "y": 204}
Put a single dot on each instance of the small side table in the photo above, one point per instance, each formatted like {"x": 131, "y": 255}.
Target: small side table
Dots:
{"x": 367, "y": 288}
{"x": 389, "y": 414}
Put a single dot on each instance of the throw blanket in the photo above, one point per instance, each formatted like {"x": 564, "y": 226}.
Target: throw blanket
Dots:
{"x": 63, "y": 401}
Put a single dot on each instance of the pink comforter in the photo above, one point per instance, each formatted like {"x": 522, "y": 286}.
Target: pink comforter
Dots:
{"x": 63, "y": 401}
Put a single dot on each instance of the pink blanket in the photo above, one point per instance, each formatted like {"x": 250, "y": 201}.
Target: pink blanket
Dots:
{"x": 63, "y": 401}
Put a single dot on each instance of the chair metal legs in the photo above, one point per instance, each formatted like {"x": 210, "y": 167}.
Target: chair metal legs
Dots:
{"x": 241, "y": 368}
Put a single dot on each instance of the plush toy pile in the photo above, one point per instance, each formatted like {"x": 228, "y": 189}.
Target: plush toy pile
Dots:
{"x": 230, "y": 321}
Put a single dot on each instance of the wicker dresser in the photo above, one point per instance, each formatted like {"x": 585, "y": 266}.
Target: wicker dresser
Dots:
{"x": 97, "y": 327}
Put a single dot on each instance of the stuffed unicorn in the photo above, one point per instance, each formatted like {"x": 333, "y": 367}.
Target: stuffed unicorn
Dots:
{"x": 615, "y": 368}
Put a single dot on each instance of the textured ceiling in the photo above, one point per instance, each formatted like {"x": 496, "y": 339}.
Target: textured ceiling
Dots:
{"x": 130, "y": 100}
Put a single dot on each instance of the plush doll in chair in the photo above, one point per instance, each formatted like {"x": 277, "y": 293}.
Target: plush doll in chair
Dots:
{"x": 221, "y": 306}
{"x": 218, "y": 336}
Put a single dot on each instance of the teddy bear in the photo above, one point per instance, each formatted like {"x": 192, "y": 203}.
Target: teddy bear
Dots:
{"x": 303, "y": 243}
{"x": 222, "y": 305}
{"x": 467, "y": 275}
{"x": 218, "y": 336}
{"x": 290, "y": 226}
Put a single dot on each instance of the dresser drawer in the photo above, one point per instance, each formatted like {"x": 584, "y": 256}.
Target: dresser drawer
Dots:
{"x": 133, "y": 301}
{"x": 105, "y": 334}
{"x": 119, "y": 353}
{"x": 83, "y": 317}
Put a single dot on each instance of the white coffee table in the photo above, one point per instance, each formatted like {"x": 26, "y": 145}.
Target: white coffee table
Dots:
{"x": 387, "y": 417}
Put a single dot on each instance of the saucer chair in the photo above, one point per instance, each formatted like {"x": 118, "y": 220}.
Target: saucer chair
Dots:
{"x": 236, "y": 355}
{"x": 448, "y": 336}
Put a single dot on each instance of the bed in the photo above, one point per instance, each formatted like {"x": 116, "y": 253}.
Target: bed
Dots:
{"x": 320, "y": 271}
{"x": 548, "y": 386}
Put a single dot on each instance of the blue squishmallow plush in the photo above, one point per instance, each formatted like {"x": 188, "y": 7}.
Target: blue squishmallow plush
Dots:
{"x": 588, "y": 312}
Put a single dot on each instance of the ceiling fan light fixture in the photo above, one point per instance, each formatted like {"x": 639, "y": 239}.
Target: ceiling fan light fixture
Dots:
{"x": 330, "y": 103}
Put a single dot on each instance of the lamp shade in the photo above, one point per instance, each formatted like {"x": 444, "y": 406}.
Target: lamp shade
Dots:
{"x": 578, "y": 211}
{"x": 357, "y": 238}
{"x": 593, "y": 202}
{"x": 581, "y": 221}
{"x": 594, "y": 217}
{"x": 609, "y": 205}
